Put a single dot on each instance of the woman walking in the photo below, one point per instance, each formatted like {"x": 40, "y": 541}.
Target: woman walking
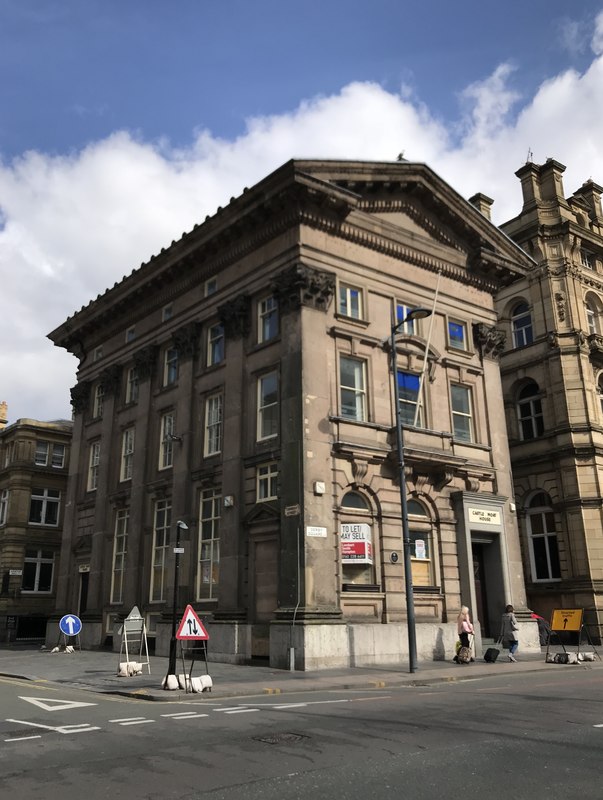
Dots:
{"x": 508, "y": 632}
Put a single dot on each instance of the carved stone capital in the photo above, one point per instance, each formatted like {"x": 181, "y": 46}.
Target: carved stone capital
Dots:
{"x": 186, "y": 339}
{"x": 110, "y": 379}
{"x": 301, "y": 285}
{"x": 80, "y": 396}
{"x": 235, "y": 316}
{"x": 145, "y": 361}
{"x": 490, "y": 342}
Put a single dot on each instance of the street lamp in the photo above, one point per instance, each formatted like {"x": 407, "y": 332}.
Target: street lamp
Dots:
{"x": 180, "y": 526}
{"x": 415, "y": 313}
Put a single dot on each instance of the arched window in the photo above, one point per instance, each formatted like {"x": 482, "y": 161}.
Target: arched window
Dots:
{"x": 355, "y": 500}
{"x": 421, "y": 544}
{"x": 521, "y": 324}
{"x": 594, "y": 309}
{"x": 357, "y": 550}
{"x": 544, "y": 552}
{"x": 529, "y": 412}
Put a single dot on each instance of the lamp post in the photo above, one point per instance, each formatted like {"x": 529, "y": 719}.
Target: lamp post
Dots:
{"x": 177, "y": 552}
{"x": 415, "y": 313}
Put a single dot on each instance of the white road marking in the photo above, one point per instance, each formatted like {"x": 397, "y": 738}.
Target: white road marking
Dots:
{"x": 238, "y": 710}
{"x": 84, "y": 728}
{"x": 55, "y": 705}
{"x": 292, "y": 705}
{"x": 23, "y": 738}
{"x": 598, "y": 726}
{"x": 184, "y": 715}
{"x": 132, "y": 721}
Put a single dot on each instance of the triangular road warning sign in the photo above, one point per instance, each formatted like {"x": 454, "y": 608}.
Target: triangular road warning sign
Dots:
{"x": 191, "y": 626}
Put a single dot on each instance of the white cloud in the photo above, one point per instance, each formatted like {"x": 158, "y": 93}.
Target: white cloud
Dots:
{"x": 76, "y": 224}
{"x": 597, "y": 40}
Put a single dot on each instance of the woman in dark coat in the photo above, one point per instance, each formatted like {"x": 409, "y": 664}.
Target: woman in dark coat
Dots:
{"x": 508, "y": 632}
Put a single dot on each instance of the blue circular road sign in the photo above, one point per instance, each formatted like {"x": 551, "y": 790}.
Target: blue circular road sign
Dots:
{"x": 70, "y": 625}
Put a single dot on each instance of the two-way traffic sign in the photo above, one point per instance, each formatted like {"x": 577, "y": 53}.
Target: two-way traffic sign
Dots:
{"x": 191, "y": 626}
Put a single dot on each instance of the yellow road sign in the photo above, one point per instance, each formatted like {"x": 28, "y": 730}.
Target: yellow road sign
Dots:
{"x": 566, "y": 619}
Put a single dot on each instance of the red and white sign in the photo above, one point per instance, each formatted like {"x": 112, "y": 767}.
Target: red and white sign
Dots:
{"x": 356, "y": 544}
{"x": 191, "y": 627}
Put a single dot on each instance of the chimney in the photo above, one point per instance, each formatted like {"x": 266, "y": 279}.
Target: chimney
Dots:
{"x": 590, "y": 192}
{"x": 529, "y": 175}
{"x": 3, "y": 414}
{"x": 482, "y": 203}
{"x": 551, "y": 181}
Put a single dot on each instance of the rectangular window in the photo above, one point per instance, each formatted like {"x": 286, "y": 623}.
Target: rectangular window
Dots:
{"x": 3, "y": 506}
{"x": 167, "y": 313}
{"x": 462, "y": 425}
{"x": 132, "y": 386}
{"x": 58, "y": 456}
{"x": 267, "y": 319}
{"x": 166, "y": 447}
{"x": 209, "y": 545}
{"x": 170, "y": 366}
{"x": 161, "y": 534}
{"x": 93, "y": 464}
{"x": 420, "y": 553}
{"x": 350, "y": 301}
{"x": 408, "y": 398}
{"x": 130, "y": 334}
{"x": 215, "y": 345}
{"x": 97, "y": 353}
{"x": 267, "y": 422}
{"x": 41, "y": 454}
{"x": 213, "y": 424}
{"x": 587, "y": 259}
{"x": 127, "y": 454}
{"x": 457, "y": 335}
{"x": 211, "y": 286}
{"x": 38, "y": 566}
{"x": 44, "y": 507}
{"x": 120, "y": 547}
{"x": 99, "y": 396}
{"x": 402, "y": 311}
{"x": 352, "y": 388}
{"x": 266, "y": 482}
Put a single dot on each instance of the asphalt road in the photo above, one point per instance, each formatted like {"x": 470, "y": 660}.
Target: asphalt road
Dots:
{"x": 529, "y": 736}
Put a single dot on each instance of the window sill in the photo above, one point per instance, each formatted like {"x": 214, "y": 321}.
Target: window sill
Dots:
{"x": 368, "y": 588}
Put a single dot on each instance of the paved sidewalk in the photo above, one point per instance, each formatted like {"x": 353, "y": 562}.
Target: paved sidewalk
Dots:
{"x": 97, "y": 671}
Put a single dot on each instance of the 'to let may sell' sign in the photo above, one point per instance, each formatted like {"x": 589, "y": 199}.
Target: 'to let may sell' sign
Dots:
{"x": 356, "y": 545}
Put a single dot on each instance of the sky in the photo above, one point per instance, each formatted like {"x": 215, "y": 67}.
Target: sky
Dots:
{"x": 124, "y": 123}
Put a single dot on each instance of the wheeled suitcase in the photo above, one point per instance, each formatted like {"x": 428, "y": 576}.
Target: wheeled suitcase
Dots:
{"x": 464, "y": 655}
{"x": 491, "y": 655}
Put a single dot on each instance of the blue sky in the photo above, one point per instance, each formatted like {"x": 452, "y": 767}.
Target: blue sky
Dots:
{"x": 124, "y": 123}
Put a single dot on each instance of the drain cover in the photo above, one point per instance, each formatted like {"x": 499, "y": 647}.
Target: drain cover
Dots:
{"x": 281, "y": 738}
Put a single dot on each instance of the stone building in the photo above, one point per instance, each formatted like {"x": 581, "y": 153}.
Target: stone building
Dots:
{"x": 240, "y": 382}
{"x": 34, "y": 459}
{"x": 552, "y": 370}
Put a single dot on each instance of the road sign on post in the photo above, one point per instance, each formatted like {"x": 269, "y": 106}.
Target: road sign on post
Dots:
{"x": 191, "y": 628}
{"x": 70, "y": 625}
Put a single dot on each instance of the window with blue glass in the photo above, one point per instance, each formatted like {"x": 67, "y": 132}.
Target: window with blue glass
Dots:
{"x": 402, "y": 311}
{"x": 457, "y": 335}
{"x": 408, "y": 398}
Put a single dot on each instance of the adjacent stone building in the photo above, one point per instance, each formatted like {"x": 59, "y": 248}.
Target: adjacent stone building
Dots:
{"x": 240, "y": 382}
{"x": 552, "y": 371}
{"x": 34, "y": 458}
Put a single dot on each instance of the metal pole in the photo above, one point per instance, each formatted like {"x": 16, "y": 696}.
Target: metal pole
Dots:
{"x": 172, "y": 658}
{"x": 410, "y": 604}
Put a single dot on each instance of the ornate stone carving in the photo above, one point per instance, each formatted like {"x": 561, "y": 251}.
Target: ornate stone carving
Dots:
{"x": 490, "y": 342}
{"x": 560, "y": 305}
{"x": 110, "y": 379}
{"x": 186, "y": 339}
{"x": 145, "y": 361}
{"x": 236, "y": 317}
{"x": 359, "y": 470}
{"x": 301, "y": 285}
{"x": 80, "y": 396}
